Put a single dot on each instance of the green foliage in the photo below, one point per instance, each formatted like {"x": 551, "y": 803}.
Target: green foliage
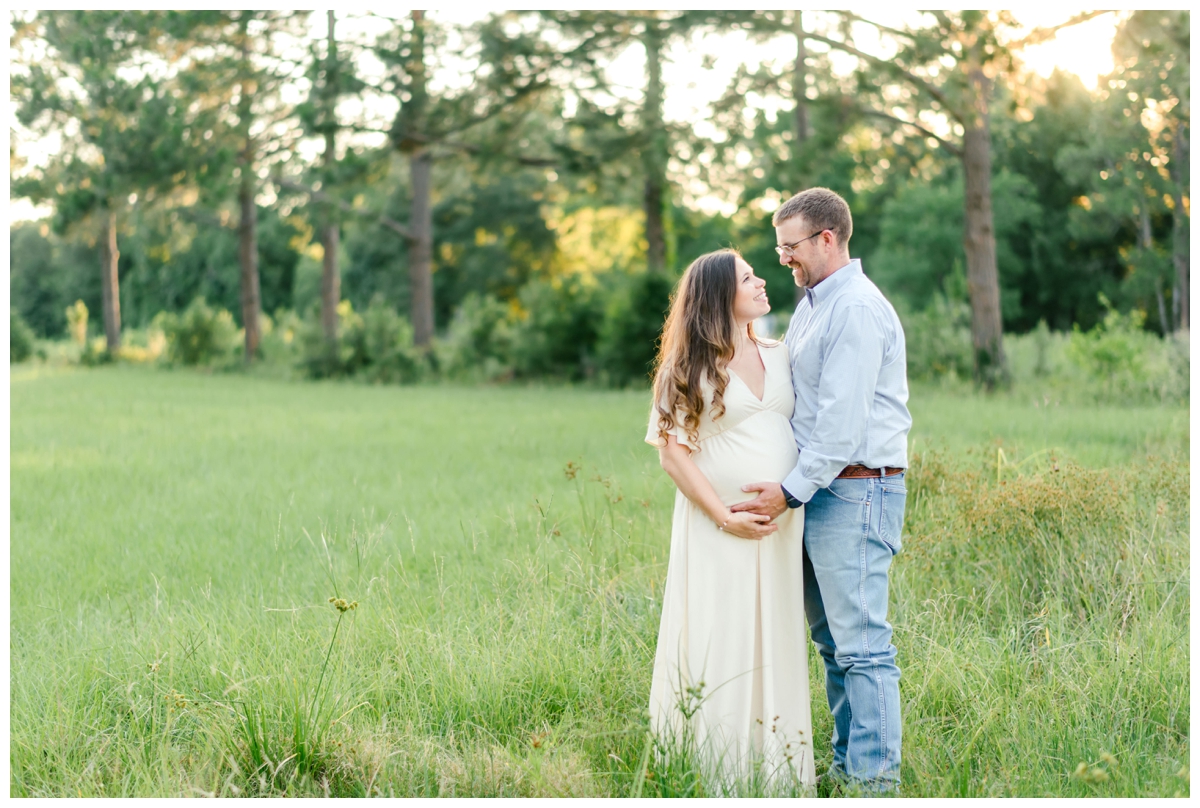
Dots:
{"x": 81, "y": 77}
{"x": 490, "y": 235}
{"x": 1125, "y": 362}
{"x": 280, "y": 346}
{"x": 921, "y": 241}
{"x": 556, "y": 336}
{"x": 388, "y": 344}
{"x": 77, "y": 322}
{"x": 200, "y": 335}
{"x": 95, "y": 352}
{"x": 1089, "y": 187}
{"x": 479, "y": 340}
{"x": 376, "y": 345}
{"x": 633, "y": 321}
{"x": 937, "y": 340}
{"x": 1133, "y": 169}
{"x": 20, "y": 338}
{"x": 1060, "y": 267}
{"x": 47, "y": 272}
{"x": 305, "y": 293}
{"x": 321, "y": 358}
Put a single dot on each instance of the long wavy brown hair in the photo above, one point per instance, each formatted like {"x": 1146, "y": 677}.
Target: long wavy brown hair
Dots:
{"x": 698, "y": 342}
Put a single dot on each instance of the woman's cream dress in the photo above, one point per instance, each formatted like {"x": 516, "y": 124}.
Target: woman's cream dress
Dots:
{"x": 732, "y": 644}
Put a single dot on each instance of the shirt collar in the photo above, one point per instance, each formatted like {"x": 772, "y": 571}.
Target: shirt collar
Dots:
{"x": 830, "y": 286}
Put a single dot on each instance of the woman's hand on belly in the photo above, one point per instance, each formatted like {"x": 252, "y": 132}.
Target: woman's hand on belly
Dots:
{"x": 747, "y": 525}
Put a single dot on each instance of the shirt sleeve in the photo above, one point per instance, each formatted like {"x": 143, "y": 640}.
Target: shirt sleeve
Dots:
{"x": 853, "y": 357}
{"x": 655, "y": 439}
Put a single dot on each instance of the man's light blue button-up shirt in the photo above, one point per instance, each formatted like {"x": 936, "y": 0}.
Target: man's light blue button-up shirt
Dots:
{"x": 848, "y": 367}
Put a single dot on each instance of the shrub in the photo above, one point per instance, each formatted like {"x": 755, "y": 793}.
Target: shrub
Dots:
{"x": 388, "y": 345}
{"x": 1123, "y": 362}
{"x": 77, "y": 322}
{"x": 20, "y": 338}
{"x": 1039, "y": 358}
{"x": 556, "y": 336}
{"x": 280, "y": 343}
{"x": 200, "y": 335}
{"x": 938, "y": 340}
{"x": 479, "y": 340}
{"x": 142, "y": 345}
{"x": 1177, "y": 384}
{"x": 95, "y": 352}
{"x": 1043, "y": 345}
{"x": 633, "y": 321}
{"x": 321, "y": 359}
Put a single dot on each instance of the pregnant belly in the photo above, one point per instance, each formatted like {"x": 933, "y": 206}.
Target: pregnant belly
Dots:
{"x": 758, "y": 450}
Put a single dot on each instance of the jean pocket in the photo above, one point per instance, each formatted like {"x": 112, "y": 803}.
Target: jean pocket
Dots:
{"x": 850, "y": 490}
{"x": 891, "y": 515}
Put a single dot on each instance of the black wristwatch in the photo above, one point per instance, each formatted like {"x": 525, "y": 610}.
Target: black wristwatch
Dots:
{"x": 791, "y": 501}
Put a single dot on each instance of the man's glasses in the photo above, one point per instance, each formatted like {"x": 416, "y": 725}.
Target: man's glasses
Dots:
{"x": 788, "y": 249}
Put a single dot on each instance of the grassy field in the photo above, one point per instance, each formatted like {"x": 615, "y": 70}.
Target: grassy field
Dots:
{"x": 177, "y": 538}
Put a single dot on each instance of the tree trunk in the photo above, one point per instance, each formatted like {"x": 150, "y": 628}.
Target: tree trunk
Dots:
{"x": 331, "y": 286}
{"x": 654, "y": 159}
{"x": 420, "y": 247}
{"x": 110, "y": 287}
{"x": 412, "y": 121}
{"x": 799, "y": 85}
{"x": 1146, "y": 244}
{"x": 979, "y": 241}
{"x": 1181, "y": 244}
{"x": 331, "y": 283}
{"x": 248, "y": 224}
{"x": 248, "y": 258}
{"x": 1162, "y": 306}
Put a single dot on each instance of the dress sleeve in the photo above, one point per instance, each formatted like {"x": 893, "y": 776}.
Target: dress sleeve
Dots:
{"x": 654, "y": 439}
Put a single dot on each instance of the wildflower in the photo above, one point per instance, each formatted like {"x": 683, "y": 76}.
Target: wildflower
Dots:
{"x": 571, "y": 470}
{"x": 1099, "y": 775}
{"x": 1081, "y": 770}
{"x": 342, "y": 605}
{"x": 1108, "y": 758}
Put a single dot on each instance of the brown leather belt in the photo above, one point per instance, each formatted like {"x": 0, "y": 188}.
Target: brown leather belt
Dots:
{"x": 863, "y": 471}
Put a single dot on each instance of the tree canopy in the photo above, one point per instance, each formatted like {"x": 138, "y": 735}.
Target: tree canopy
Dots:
{"x": 286, "y": 161}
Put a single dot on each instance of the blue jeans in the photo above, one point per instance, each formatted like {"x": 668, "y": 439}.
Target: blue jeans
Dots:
{"x": 851, "y": 531}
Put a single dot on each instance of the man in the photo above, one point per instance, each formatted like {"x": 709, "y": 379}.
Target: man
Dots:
{"x": 851, "y": 425}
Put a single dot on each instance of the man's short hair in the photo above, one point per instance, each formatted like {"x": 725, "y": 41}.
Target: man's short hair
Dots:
{"x": 822, "y": 208}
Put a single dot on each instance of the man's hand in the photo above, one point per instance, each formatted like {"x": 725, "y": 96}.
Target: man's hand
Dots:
{"x": 769, "y": 502}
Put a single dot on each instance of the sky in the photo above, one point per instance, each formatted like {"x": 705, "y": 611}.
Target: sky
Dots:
{"x": 1084, "y": 49}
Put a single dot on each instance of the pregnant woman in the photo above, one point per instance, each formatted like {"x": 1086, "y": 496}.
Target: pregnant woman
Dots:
{"x": 731, "y": 666}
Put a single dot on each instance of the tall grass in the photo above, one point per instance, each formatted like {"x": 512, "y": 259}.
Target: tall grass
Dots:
{"x": 176, "y": 540}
